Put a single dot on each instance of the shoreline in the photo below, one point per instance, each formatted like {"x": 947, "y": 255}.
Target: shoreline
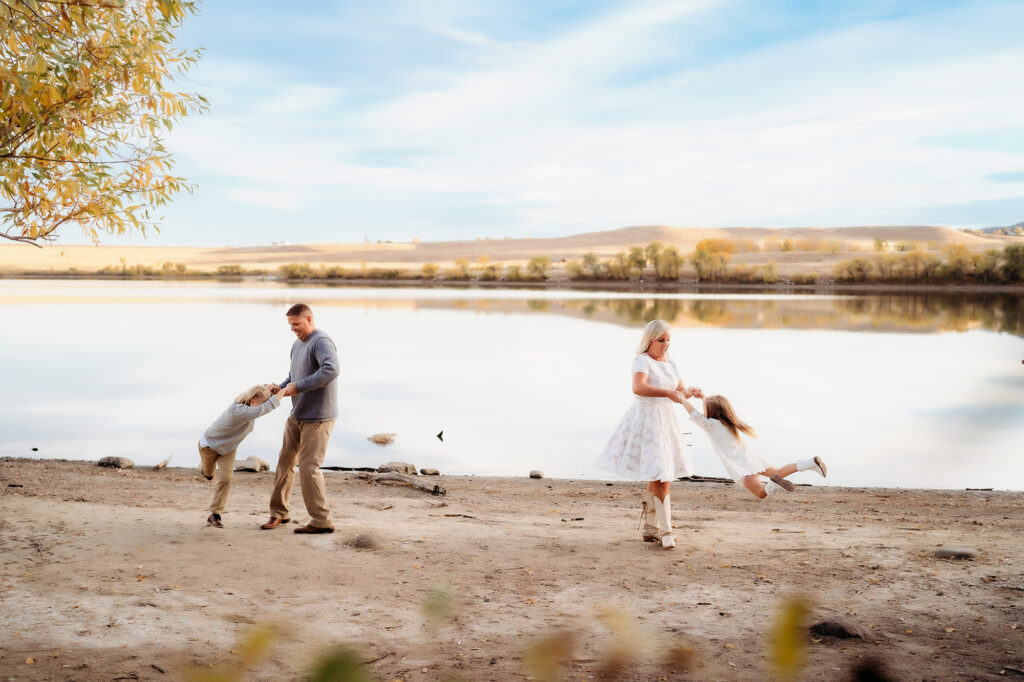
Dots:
{"x": 113, "y": 574}
{"x": 696, "y": 479}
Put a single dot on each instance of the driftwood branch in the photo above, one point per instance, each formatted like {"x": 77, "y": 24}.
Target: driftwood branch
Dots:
{"x": 705, "y": 479}
{"x": 348, "y": 468}
{"x": 431, "y": 488}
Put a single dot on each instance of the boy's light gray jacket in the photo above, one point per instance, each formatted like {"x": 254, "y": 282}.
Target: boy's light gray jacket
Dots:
{"x": 235, "y": 424}
{"x": 313, "y": 369}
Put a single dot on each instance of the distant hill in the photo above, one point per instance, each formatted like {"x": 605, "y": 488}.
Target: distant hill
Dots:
{"x": 1015, "y": 229}
{"x": 809, "y": 249}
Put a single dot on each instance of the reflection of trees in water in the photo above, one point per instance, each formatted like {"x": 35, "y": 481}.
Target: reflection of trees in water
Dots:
{"x": 903, "y": 312}
{"x": 632, "y": 310}
{"x": 945, "y": 312}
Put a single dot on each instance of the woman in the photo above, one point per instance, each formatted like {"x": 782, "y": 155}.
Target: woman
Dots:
{"x": 648, "y": 442}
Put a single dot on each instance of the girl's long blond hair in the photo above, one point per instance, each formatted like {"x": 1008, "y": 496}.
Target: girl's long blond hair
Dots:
{"x": 718, "y": 407}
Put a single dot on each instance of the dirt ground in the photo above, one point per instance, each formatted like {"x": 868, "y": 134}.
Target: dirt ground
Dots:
{"x": 113, "y": 575}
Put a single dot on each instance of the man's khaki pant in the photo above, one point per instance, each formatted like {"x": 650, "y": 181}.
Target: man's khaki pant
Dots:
{"x": 306, "y": 444}
{"x": 209, "y": 460}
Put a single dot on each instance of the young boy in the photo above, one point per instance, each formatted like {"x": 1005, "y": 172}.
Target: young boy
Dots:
{"x": 219, "y": 443}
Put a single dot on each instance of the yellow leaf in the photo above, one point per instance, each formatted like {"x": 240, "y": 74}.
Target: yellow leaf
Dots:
{"x": 30, "y": 661}
{"x": 789, "y": 638}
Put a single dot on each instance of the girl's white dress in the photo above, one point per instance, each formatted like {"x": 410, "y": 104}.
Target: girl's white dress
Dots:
{"x": 736, "y": 459}
{"x": 647, "y": 445}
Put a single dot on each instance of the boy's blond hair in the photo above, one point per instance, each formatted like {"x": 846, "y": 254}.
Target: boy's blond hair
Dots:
{"x": 257, "y": 391}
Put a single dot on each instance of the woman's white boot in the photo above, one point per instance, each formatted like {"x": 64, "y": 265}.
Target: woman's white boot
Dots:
{"x": 648, "y": 519}
{"x": 664, "y": 511}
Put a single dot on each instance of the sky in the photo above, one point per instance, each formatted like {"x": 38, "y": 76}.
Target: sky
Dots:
{"x": 451, "y": 120}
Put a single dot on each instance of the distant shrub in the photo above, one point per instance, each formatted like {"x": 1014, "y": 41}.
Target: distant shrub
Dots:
{"x": 296, "y": 271}
{"x": 430, "y": 271}
{"x": 723, "y": 245}
{"x": 1013, "y": 263}
{"x": 333, "y": 272}
{"x": 383, "y": 273}
{"x": 537, "y": 267}
{"x": 804, "y": 278}
{"x": 668, "y": 264}
{"x": 576, "y": 270}
{"x": 234, "y": 270}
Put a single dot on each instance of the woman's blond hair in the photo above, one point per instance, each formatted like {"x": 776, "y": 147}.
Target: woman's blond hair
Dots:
{"x": 653, "y": 330}
{"x": 258, "y": 391}
{"x": 718, "y": 407}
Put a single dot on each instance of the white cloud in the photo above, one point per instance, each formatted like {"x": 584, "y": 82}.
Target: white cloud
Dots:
{"x": 820, "y": 130}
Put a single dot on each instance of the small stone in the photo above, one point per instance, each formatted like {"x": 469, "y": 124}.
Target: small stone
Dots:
{"x": 116, "y": 463}
{"x": 955, "y": 553}
{"x": 536, "y": 473}
{"x": 430, "y": 472}
{"x": 398, "y": 468}
{"x": 252, "y": 464}
{"x": 365, "y": 541}
{"x": 837, "y": 628}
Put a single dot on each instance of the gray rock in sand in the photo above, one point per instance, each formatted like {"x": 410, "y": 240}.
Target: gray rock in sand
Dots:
{"x": 398, "y": 468}
{"x": 116, "y": 463}
{"x": 955, "y": 553}
{"x": 536, "y": 473}
{"x": 365, "y": 541}
{"x": 430, "y": 472}
{"x": 252, "y": 464}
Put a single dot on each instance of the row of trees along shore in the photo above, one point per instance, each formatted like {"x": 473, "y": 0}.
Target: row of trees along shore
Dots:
{"x": 710, "y": 261}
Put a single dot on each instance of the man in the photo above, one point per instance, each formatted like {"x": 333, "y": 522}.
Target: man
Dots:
{"x": 310, "y": 384}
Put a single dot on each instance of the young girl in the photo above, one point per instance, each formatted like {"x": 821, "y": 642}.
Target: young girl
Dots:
{"x": 218, "y": 444}
{"x": 723, "y": 427}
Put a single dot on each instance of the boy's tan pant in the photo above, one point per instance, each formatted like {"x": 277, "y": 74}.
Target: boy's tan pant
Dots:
{"x": 306, "y": 444}
{"x": 225, "y": 468}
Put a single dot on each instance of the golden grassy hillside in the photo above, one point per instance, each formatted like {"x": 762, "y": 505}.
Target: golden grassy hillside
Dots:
{"x": 816, "y": 249}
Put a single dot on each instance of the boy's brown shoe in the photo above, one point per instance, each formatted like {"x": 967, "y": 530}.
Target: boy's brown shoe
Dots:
{"x": 274, "y": 522}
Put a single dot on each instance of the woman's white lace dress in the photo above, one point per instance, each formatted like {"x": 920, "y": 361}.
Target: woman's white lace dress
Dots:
{"x": 736, "y": 459}
{"x": 647, "y": 445}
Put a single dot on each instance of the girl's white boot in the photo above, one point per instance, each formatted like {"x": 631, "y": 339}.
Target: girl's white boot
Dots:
{"x": 648, "y": 519}
{"x": 664, "y": 511}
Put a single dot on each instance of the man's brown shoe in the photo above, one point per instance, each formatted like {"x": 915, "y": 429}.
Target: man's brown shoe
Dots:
{"x": 274, "y": 522}
{"x": 214, "y": 520}
{"x": 314, "y": 529}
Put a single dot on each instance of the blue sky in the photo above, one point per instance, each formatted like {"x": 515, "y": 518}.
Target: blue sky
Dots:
{"x": 339, "y": 122}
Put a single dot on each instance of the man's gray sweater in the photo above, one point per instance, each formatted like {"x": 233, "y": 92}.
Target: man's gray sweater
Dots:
{"x": 313, "y": 370}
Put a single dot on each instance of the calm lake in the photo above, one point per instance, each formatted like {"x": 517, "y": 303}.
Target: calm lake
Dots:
{"x": 913, "y": 391}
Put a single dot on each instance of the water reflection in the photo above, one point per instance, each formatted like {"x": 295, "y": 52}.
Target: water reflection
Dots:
{"x": 918, "y": 313}
{"x": 521, "y": 379}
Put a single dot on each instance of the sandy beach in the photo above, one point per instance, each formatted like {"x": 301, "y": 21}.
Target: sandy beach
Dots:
{"x": 113, "y": 575}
